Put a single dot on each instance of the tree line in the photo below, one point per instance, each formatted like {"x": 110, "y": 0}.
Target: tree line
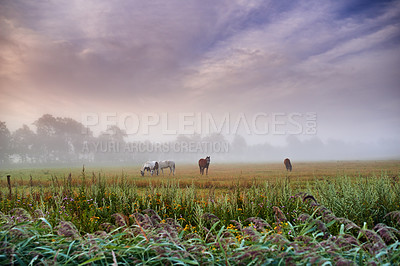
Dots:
{"x": 63, "y": 140}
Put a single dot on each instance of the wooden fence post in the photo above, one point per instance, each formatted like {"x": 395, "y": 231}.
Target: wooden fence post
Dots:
{"x": 9, "y": 183}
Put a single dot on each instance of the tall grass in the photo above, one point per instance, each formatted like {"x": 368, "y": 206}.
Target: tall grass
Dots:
{"x": 90, "y": 219}
{"x": 91, "y": 202}
{"x": 32, "y": 240}
{"x": 360, "y": 199}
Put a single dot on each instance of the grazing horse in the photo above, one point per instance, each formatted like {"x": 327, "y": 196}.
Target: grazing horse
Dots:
{"x": 288, "y": 164}
{"x": 167, "y": 164}
{"x": 150, "y": 166}
{"x": 204, "y": 163}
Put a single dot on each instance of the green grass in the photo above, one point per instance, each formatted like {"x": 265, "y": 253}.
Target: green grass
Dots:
{"x": 229, "y": 217}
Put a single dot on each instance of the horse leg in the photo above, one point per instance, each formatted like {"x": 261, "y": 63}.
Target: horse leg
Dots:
{"x": 207, "y": 171}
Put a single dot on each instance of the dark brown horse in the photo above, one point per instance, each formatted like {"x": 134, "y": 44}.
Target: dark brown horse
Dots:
{"x": 288, "y": 164}
{"x": 203, "y": 164}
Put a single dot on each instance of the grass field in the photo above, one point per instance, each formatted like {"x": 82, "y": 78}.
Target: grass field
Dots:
{"x": 334, "y": 212}
{"x": 220, "y": 175}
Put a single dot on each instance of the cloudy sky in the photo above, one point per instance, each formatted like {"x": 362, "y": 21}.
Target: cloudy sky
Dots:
{"x": 337, "y": 59}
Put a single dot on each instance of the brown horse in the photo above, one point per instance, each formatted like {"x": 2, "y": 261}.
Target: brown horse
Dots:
{"x": 204, "y": 163}
{"x": 288, "y": 164}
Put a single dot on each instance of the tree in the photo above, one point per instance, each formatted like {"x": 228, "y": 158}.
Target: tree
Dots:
{"x": 214, "y": 138}
{"x": 4, "y": 143}
{"x": 46, "y": 126}
{"x": 239, "y": 145}
{"x": 49, "y": 144}
{"x": 74, "y": 134}
{"x": 22, "y": 143}
{"x": 117, "y": 134}
{"x": 60, "y": 139}
{"x": 110, "y": 145}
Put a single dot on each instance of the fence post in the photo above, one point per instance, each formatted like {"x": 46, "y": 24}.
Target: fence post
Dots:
{"x": 9, "y": 183}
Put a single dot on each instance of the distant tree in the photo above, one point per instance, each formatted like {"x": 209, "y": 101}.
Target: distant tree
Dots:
{"x": 110, "y": 145}
{"x": 182, "y": 138}
{"x": 74, "y": 136}
{"x": 49, "y": 143}
{"x": 239, "y": 145}
{"x": 117, "y": 134}
{"x": 60, "y": 139}
{"x": 22, "y": 143}
{"x": 215, "y": 137}
{"x": 5, "y": 138}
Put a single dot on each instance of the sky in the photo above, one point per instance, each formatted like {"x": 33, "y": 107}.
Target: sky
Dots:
{"x": 276, "y": 68}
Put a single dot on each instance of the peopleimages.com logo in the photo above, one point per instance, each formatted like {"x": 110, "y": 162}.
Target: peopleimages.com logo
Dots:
{"x": 203, "y": 123}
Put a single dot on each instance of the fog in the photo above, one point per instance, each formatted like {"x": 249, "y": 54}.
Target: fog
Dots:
{"x": 62, "y": 141}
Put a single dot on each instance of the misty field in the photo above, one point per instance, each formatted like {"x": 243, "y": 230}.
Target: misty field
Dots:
{"x": 240, "y": 214}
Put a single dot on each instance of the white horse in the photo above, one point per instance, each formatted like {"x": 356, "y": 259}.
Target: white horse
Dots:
{"x": 167, "y": 164}
{"x": 150, "y": 166}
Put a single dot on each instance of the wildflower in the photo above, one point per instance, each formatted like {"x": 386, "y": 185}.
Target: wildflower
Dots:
{"x": 231, "y": 226}
{"x": 94, "y": 218}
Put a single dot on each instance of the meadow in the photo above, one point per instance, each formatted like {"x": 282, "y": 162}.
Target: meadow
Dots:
{"x": 240, "y": 214}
